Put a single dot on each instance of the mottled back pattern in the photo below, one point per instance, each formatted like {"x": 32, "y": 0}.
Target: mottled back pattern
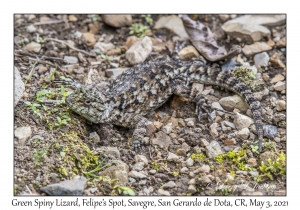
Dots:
{"x": 147, "y": 86}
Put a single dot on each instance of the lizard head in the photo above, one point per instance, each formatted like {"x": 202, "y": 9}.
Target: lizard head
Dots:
{"x": 89, "y": 104}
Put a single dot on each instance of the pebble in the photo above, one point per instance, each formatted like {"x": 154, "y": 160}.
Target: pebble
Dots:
{"x": 33, "y": 46}
{"x": 279, "y": 86}
{"x": 173, "y": 23}
{"x": 252, "y": 162}
{"x": 138, "y": 166}
{"x": 169, "y": 184}
{"x": 280, "y": 193}
{"x": 141, "y": 158}
{"x": 139, "y": 51}
{"x": 243, "y": 134}
{"x": 31, "y": 17}
{"x": 114, "y": 73}
{"x": 213, "y": 149}
{"x": 172, "y": 156}
{"x": 130, "y": 41}
{"x": 277, "y": 78}
{"x": 246, "y": 31}
{"x": 114, "y": 52}
{"x": 180, "y": 152}
{"x": 203, "y": 169}
{"x": 167, "y": 128}
{"x": 110, "y": 151}
{"x": 104, "y": 47}
{"x": 19, "y": 86}
{"x": 23, "y": 134}
{"x": 31, "y": 29}
{"x": 267, "y": 155}
{"x": 229, "y": 142}
{"x": 213, "y": 129}
{"x": 203, "y": 143}
{"x": 72, "y": 187}
{"x": 229, "y": 179}
{"x": 89, "y": 39}
{"x": 233, "y": 102}
{"x": 72, "y": 18}
{"x": 71, "y": 59}
{"x": 280, "y": 105}
{"x": 205, "y": 179}
{"x": 137, "y": 175}
{"x": 78, "y": 34}
{"x": 152, "y": 171}
{"x": 94, "y": 137}
{"x": 192, "y": 189}
{"x": 281, "y": 43}
{"x": 189, "y": 162}
{"x": 257, "y": 47}
{"x": 161, "y": 139}
{"x": 143, "y": 182}
{"x": 188, "y": 53}
{"x": 117, "y": 20}
{"x": 261, "y": 59}
{"x": 230, "y": 124}
{"x": 184, "y": 170}
{"x": 242, "y": 121}
{"x": 163, "y": 192}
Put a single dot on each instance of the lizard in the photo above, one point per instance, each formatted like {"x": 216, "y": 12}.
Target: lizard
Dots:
{"x": 147, "y": 86}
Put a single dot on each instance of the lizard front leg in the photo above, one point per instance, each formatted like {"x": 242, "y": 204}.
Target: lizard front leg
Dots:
{"x": 139, "y": 131}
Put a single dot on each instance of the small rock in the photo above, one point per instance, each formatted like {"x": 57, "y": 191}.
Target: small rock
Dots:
{"x": 94, "y": 137}
{"x": 72, "y": 187}
{"x": 246, "y": 31}
{"x": 204, "y": 143}
{"x": 268, "y": 20}
{"x": 168, "y": 128}
{"x": 169, "y": 184}
{"x": 189, "y": 162}
{"x": 257, "y": 193}
{"x": 23, "y": 133}
{"x": 139, "y": 51}
{"x": 78, "y": 34}
{"x": 204, "y": 169}
{"x": 31, "y": 29}
{"x": 271, "y": 43}
{"x": 188, "y": 53}
{"x": 213, "y": 149}
{"x": 118, "y": 172}
{"x": 138, "y": 166}
{"x": 252, "y": 162}
{"x": 261, "y": 59}
{"x": 173, "y": 23}
{"x": 172, "y": 156}
{"x": 230, "y": 124}
{"x": 281, "y": 43}
{"x": 253, "y": 173}
{"x": 275, "y": 59}
{"x": 137, "y": 175}
{"x": 279, "y": 86}
{"x": 280, "y": 105}
{"x": 157, "y": 124}
{"x": 184, "y": 170}
{"x": 89, "y": 39}
{"x": 280, "y": 193}
{"x": 205, "y": 179}
{"x": 242, "y": 121}
{"x": 33, "y": 46}
{"x": 224, "y": 17}
{"x": 185, "y": 146}
{"x": 152, "y": 171}
{"x": 192, "y": 189}
{"x": 130, "y": 41}
{"x": 277, "y": 78}
{"x": 181, "y": 122}
{"x": 213, "y": 129}
{"x": 19, "y": 86}
{"x": 229, "y": 142}
{"x": 163, "y": 192}
{"x": 216, "y": 105}
{"x": 150, "y": 130}
{"x": 112, "y": 151}
{"x": 31, "y": 17}
{"x": 104, "y": 47}
{"x": 257, "y": 47}
{"x": 72, "y": 18}
{"x": 180, "y": 152}
{"x": 141, "y": 158}
{"x": 162, "y": 139}
{"x": 117, "y": 20}
{"x": 233, "y": 102}
{"x": 115, "y": 72}
{"x": 243, "y": 134}
{"x": 230, "y": 179}
{"x": 117, "y": 51}
{"x": 71, "y": 59}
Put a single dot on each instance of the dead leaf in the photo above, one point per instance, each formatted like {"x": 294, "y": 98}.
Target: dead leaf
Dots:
{"x": 202, "y": 39}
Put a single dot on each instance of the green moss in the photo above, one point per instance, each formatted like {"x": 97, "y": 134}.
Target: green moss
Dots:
{"x": 247, "y": 75}
{"x": 200, "y": 157}
{"x": 139, "y": 30}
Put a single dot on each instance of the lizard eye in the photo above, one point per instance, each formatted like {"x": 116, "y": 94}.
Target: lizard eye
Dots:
{"x": 88, "y": 102}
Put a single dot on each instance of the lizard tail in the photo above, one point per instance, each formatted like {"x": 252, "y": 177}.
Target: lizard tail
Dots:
{"x": 215, "y": 76}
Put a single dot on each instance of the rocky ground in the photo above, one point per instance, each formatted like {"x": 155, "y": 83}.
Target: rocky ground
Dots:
{"x": 58, "y": 152}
